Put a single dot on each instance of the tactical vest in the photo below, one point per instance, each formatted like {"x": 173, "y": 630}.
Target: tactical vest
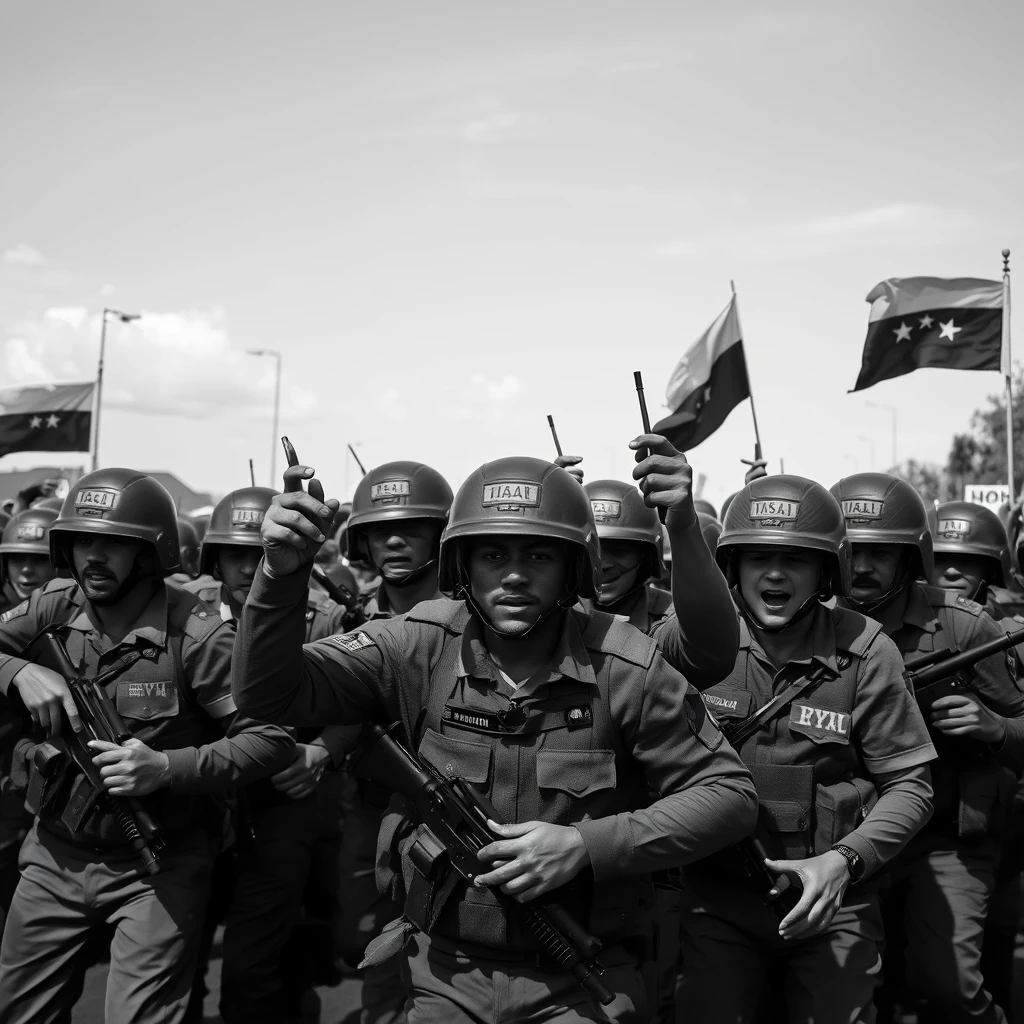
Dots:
{"x": 812, "y": 785}
{"x": 159, "y": 707}
{"x": 569, "y": 755}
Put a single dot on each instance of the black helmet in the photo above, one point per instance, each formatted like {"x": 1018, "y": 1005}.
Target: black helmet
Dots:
{"x": 964, "y": 528}
{"x": 883, "y": 509}
{"x": 711, "y": 530}
{"x": 620, "y": 514}
{"x": 788, "y": 511}
{"x": 525, "y": 497}
{"x": 236, "y": 520}
{"x": 725, "y": 506}
{"x": 53, "y": 503}
{"x": 705, "y": 508}
{"x": 188, "y": 545}
{"x": 26, "y": 534}
{"x": 394, "y": 491}
{"x": 118, "y": 503}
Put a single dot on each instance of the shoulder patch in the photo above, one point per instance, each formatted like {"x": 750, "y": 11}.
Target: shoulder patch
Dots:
{"x": 16, "y": 612}
{"x": 605, "y": 633}
{"x": 967, "y": 605}
{"x": 701, "y": 721}
{"x": 352, "y": 642}
{"x": 855, "y": 633}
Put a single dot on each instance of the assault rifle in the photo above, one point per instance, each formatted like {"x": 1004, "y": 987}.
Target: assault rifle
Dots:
{"x": 455, "y": 813}
{"x": 100, "y": 721}
{"x": 940, "y": 673}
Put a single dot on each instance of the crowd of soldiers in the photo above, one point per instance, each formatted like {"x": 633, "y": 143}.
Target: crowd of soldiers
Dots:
{"x": 695, "y": 737}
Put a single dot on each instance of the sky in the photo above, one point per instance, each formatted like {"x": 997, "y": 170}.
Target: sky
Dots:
{"x": 453, "y": 218}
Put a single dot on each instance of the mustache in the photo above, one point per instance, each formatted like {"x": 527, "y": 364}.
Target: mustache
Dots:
{"x": 95, "y": 572}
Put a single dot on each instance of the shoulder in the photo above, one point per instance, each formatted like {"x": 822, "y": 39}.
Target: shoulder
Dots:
{"x": 659, "y": 603}
{"x": 855, "y": 633}
{"x": 192, "y": 617}
{"x": 941, "y": 598}
{"x": 443, "y": 613}
{"x": 609, "y": 635}
{"x": 205, "y": 588}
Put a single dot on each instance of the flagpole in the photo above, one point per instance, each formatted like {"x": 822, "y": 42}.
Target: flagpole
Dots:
{"x": 750, "y": 390}
{"x": 125, "y": 318}
{"x": 1007, "y": 368}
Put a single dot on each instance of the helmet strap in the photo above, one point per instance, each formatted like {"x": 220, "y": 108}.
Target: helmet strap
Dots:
{"x": 400, "y": 578}
{"x": 802, "y": 612}
{"x": 625, "y": 600}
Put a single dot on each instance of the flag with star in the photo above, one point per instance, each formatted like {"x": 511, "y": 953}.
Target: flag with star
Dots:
{"x": 707, "y": 383}
{"x": 46, "y": 418}
{"x": 953, "y": 323}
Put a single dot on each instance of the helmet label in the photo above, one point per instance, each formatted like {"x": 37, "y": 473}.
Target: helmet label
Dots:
{"x": 30, "y": 531}
{"x": 774, "y": 511}
{"x": 954, "y": 529}
{"x": 860, "y": 510}
{"x": 517, "y": 493}
{"x": 94, "y": 501}
{"x": 390, "y": 492}
{"x": 247, "y": 518}
{"x": 606, "y": 509}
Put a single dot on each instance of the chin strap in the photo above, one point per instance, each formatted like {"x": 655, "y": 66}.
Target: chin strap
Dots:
{"x": 400, "y": 578}
{"x": 619, "y": 602}
{"x": 803, "y": 611}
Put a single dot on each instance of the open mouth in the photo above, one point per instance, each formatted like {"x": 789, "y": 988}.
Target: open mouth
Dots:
{"x": 775, "y": 600}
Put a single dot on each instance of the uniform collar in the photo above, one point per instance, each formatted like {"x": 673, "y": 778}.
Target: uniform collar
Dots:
{"x": 822, "y": 641}
{"x": 150, "y": 626}
{"x": 570, "y": 661}
{"x": 918, "y": 611}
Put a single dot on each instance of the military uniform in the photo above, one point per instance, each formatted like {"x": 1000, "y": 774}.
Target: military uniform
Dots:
{"x": 608, "y": 722}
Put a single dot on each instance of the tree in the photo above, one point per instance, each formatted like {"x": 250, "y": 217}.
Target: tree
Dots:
{"x": 929, "y": 479}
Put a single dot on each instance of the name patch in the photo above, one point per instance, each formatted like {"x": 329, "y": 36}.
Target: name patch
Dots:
{"x": 30, "y": 531}
{"x": 519, "y": 493}
{"x": 820, "y": 723}
{"x": 774, "y": 511}
{"x": 16, "y": 612}
{"x": 470, "y": 718}
{"x": 954, "y": 529}
{"x": 861, "y": 510}
{"x": 720, "y": 702}
{"x": 247, "y": 518}
{"x": 388, "y": 492}
{"x": 147, "y": 689}
{"x": 352, "y": 642}
{"x": 605, "y": 510}
{"x": 94, "y": 501}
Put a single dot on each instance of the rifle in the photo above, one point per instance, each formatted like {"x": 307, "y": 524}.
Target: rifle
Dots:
{"x": 335, "y": 591}
{"x": 101, "y": 721}
{"x": 455, "y": 814}
{"x": 940, "y": 673}
{"x": 781, "y": 892}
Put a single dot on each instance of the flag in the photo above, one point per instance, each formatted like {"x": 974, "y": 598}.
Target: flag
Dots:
{"x": 953, "y": 323}
{"x": 707, "y": 384}
{"x": 46, "y": 418}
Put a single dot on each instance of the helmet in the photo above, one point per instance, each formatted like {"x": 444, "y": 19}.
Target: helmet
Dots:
{"x": 962, "y": 527}
{"x": 26, "y": 534}
{"x": 725, "y": 505}
{"x": 53, "y": 503}
{"x": 344, "y": 579}
{"x": 525, "y": 497}
{"x": 188, "y": 545}
{"x": 118, "y": 503}
{"x": 5, "y": 518}
{"x": 620, "y": 514}
{"x": 396, "y": 490}
{"x": 236, "y": 520}
{"x": 882, "y": 509}
{"x": 711, "y": 530}
{"x": 788, "y": 511}
{"x": 705, "y": 508}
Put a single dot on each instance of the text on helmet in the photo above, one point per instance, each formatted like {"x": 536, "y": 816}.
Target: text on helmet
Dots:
{"x": 247, "y": 518}
{"x": 387, "y": 492}
{"x": 30, "y": 531}
{"x": 606, "y": 509}
{"x": 94, "y": 501}
{"x": 513, "y": 492}
{"x": 954, "y": 529}
{"x": 862, "y": 509}
{"x": 774, "y": 511}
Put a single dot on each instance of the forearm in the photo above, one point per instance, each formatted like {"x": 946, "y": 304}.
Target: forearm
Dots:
{"x": 9, "y": 668}
{"x": 1010, "y": 753}
{"x": 339, "y": 741}
{"x": 903, "y": 809}
{"x": 677, "y": 829}
{"x": 249, "y": 751}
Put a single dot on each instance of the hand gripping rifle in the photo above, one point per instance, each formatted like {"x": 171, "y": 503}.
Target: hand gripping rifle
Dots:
{"x": 100, "y": 721}
{"x": 455, "y": 813}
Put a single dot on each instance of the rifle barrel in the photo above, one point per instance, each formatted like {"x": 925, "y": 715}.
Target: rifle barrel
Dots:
{"x": 942, "y": 669}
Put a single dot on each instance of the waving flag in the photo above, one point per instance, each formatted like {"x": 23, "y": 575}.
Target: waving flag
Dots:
{"x": 46, "y": 418}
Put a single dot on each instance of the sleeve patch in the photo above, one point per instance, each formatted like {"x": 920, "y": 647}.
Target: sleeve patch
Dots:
{"x": 16, "y": 612}
{"x": 701, "y": 721}
{"x": 352, "y": 642}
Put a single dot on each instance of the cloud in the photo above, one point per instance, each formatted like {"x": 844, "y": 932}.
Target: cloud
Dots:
{"x": 481, "y": 398}
{"x": 25, "y": 255}
{"x": 182, "y": 364}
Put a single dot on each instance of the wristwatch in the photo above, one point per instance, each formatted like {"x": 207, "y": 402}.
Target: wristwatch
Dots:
{"x": 853, "y": 859}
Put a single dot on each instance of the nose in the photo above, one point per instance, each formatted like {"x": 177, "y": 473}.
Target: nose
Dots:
{"x": 952, "y": 573}
{"x": 514, "y": 575}
{"x": 394, "y": 542}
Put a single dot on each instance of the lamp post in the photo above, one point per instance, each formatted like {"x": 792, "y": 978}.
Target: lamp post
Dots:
{"x": 870, "y": 442}
{"x": 891, "y": 409}
{"x": 125, "y": 318}
{"x": 277, "y": 404}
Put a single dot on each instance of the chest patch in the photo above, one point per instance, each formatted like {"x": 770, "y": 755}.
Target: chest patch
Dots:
{"x": 820, "y": 723}
{"x": 16, "y": 612}
{"x": 472, "y": 718}
{"x": 724, "y": 703}
{"x": 579, "y": 718}
{"x": 352, "y": 642}
{"x": 146, "y": 689}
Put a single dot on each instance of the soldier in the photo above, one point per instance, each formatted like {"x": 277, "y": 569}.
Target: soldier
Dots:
{"x": 398, "y": 512}
{"x": 283, "y": 812}
{"x": 944, "y": 879}
{"x": 188, "y": 542}
{"x": 838, "y": 751}
{"x": 25, "y": 553}
{"x": 117, "y": 536}
{"x": 519, "y": 550}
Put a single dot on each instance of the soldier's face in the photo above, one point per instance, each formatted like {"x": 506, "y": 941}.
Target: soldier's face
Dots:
{"x": 775, "y": 582}
{"x": 516, "y": 580}
{"x": 874, "y": 570}
{"x": 620, "y": 566}
{"x": 29, "y": 572}
{"x": 962, "y": 573}
{"x": 236, "y": 566}
{"x": 102, "y": 564}
{"x": 403, "y": 545}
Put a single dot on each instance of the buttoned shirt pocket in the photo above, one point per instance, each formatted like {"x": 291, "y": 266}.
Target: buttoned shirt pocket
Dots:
{"x": 576, "y": 772}
{"x": 147, "y": 701}
{"x": 455, "y": 758}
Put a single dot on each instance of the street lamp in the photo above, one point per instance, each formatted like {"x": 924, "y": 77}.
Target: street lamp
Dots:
{"x": 891, "y": 409}
{"x": 125, "y": 318}
{"x": 871, "y": 445}
{"x": 277, "y": 405}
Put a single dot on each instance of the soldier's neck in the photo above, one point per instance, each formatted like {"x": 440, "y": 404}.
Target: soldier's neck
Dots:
{"x": 116, "y": 620}
{"x": 788, "y": 644}
{"x": 522, "y": 658}
{"x": 890, "y": 614}
{"x": 403, "y": 599}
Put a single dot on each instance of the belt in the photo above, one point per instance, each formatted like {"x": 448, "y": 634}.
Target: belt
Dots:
{"x": 473, "y": 951}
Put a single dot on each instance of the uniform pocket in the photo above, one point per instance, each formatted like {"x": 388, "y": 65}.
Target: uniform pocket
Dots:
{"x": 576, "y": 772}
{"x": 785, "y": 793}
{"x": 147, "y": 701}
{"x": 457, "y": 759}
{"x": 840, "y": 807}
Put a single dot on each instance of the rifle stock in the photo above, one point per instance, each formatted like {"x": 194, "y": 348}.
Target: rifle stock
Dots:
{"x": 456, "y": 813}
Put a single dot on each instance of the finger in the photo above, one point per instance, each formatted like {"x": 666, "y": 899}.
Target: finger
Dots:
{"x": 755, "y": 463}
{"x": 797, "y": 914}
{"x": 116, "y": 770}
{"x": 42, "y": 716}
{"x": 780, "y": 866}
{"x": 512, "y": 830}
{"x": 500, "y": 875}
{"x": 657, "y": 445}
{"x": 104, "y": 745}
{"x": 117, "y": 782}
{"x": 292, "y": 527}
{"x": 127, "y": 789}
{"x": 294, "y": 475}
{"x": 506, "y": 849}
{"x": 565, "y": 461}
{"x": 71, "y": 710}
{"x": 108, "y": 757}
{"x": 952, "y": 701}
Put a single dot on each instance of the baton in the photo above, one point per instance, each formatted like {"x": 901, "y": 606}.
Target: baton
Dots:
{"x": 639, "y": 381}
{"x": 554, "y": 434}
